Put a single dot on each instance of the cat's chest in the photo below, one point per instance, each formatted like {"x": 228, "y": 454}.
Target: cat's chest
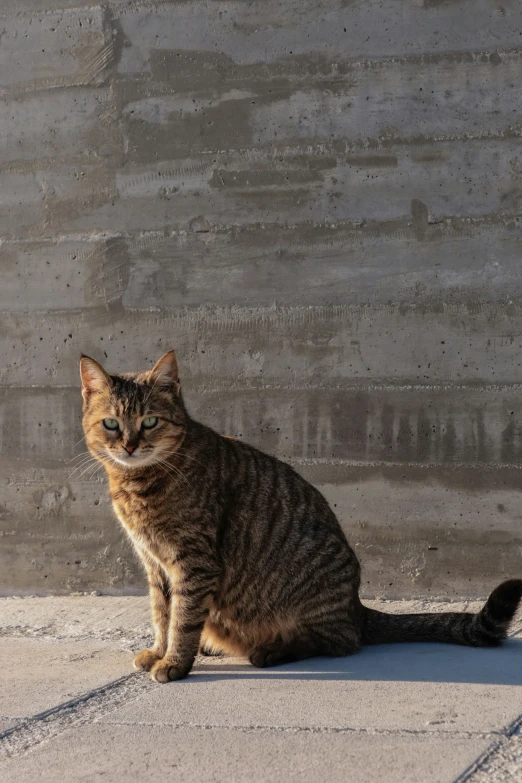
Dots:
{"x": 132, "y": 522}
{"x": 140, "y": 527}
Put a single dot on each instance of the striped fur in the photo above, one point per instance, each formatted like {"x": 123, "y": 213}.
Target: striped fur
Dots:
{"x": 242, "y": 555}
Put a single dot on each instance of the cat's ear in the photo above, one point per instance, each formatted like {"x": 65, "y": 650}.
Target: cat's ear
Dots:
{"x": 165, "y": 371}
{"x": 94, "y": 378}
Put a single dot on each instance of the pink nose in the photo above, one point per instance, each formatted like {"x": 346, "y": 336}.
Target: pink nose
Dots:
{"x": 129, "y": 448}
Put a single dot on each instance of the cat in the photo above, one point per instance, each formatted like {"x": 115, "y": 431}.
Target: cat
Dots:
{"x": 242, "y": 555}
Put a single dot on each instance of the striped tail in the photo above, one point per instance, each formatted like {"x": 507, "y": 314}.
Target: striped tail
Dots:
{"x": 488, "y": 628}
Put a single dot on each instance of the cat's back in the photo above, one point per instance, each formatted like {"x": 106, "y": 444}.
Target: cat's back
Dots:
{"x": 250, "y": 468}
{"x": 265, "y": 491}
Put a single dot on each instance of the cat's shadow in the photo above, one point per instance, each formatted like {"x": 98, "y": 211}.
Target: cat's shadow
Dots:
{"x": 412, "y": 662}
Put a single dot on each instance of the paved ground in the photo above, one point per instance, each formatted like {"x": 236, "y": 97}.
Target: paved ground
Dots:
{"x": 72, "y": 709}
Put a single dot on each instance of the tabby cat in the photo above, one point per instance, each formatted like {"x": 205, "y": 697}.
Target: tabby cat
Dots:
{"x": 242, "y": 555}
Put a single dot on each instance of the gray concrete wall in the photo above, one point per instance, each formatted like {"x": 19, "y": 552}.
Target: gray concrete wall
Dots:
{"x": 318, "y": 204}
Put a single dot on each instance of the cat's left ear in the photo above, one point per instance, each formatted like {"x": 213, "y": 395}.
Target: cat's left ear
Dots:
{"x": 165, "y": 372}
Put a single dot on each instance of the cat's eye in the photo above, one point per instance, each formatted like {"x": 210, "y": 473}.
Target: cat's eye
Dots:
{"x": 111, "y": 424}
{"x": 150, "y": 422}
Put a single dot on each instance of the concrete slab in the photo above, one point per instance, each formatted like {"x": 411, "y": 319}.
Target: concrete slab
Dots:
{"x": 414, "y": 687}
{"x": 37, "y": 674}
{"x": 116, "y": 753}
{"x": 125, "y": 619}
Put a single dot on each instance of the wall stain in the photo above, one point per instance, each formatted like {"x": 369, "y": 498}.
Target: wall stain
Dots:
{"x": 107, "y": 272}
{"x": 227, "y": 178}
{"x": 372, "y": 161}
{"x": 52, "y": 501}
{"x": 419, "y": 216}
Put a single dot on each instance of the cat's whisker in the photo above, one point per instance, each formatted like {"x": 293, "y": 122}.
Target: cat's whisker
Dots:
{"x": 78, "y": 467}
{"x": 88, "y": 471}
{"x": 83, "y": 458}
{"x": 89, "y": 467}
{"x": 177, "y": 472}
{"x": 168, "y": 468}
{"x": 165, "y": 471}
{"x": 187, "y": 456}
{"x": 173, "y": 475}
{"x": 95, "y": 470}
{"x": 85, "y": 461}
{"x": 77, "y": 456}
{"x": 78, "y": 441}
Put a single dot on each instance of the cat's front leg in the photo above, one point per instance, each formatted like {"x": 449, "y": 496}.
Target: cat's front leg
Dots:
{"x": 191, "y": 599}
{"x": 159, "y": 595}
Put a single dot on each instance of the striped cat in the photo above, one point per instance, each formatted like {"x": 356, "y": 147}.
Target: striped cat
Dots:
{"x": 242, "y": 555}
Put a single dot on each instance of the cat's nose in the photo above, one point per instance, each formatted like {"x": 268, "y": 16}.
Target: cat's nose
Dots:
{"x": 129, "y": 448}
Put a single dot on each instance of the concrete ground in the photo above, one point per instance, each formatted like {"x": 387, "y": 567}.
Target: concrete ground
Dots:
{"x": 73, "y": 709}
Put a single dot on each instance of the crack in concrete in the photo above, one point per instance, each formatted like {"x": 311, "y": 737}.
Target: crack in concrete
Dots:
{"x": 499, "y": 761}
{"x": 77, "y": 712}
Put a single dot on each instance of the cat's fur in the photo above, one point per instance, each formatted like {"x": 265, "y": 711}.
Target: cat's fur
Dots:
{"x": 242, "y": 555}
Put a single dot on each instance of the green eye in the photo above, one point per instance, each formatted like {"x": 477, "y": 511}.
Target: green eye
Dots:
{"x": 111, "y": 424}
{"x": 150, "y": 422}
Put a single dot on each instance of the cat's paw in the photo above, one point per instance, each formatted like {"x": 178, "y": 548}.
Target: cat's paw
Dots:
{"x": 168, "y": 670}
{"x": 270, "y": 654}
{"x": 262, "y": 658}
{"x": 145, "y": 660}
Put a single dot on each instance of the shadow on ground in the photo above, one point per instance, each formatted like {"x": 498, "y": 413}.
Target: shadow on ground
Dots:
{"x": 389, "y": 662}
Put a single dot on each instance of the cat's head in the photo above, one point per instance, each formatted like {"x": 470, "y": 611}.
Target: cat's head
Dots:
{"x": 132, "y": 420}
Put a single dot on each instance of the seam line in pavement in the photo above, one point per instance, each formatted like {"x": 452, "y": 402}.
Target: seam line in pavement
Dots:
{"x": 83, "y": 709}
{"x": 495, "y": 762}
{"x": 421, "y": 733}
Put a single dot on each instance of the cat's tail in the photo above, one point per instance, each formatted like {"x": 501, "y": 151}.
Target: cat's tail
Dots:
{"x": 487, "y": 628}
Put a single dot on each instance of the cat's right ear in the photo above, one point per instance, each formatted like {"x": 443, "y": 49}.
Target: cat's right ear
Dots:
{"x": 94, "y": 378}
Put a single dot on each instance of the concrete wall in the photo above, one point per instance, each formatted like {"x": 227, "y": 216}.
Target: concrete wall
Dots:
{"x": 317, "y": 202}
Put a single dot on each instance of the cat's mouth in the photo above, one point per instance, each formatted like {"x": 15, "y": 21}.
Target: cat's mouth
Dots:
{"x": 132, "y": 460}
